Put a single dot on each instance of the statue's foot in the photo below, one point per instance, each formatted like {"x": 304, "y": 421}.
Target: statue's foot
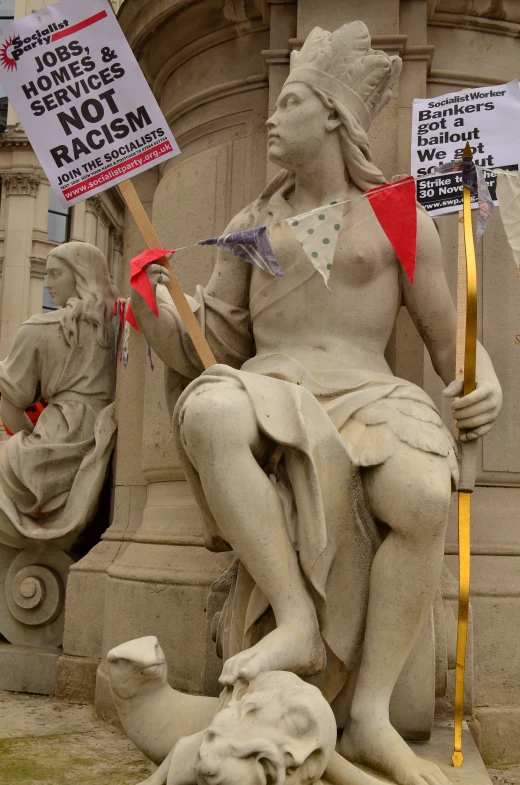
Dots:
{"x": 377, "y": 745}
{"x": 295, "y": 648}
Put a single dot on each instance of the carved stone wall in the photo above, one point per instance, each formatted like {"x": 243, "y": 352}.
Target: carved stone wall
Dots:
{"x": 217, "y": 68}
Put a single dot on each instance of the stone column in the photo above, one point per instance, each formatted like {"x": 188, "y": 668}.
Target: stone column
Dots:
{"x": 19, "y": 191}
{"x": 214, "y": 94}
{"x": 84, "y": 620}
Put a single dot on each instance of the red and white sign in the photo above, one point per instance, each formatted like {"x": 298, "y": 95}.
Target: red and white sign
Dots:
{"x": 82, "y": 98}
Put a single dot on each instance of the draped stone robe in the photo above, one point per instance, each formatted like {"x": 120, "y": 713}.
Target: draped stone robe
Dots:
{"x": 323, "y": 425}
{"x": 50, "y": 478}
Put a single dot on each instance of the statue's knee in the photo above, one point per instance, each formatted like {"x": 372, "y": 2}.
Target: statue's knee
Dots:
{"x": 213, "y": 415}
{"x": 196, "y": 419}
{"x": 413, "y": 497}
{"x": 430, "y": 504}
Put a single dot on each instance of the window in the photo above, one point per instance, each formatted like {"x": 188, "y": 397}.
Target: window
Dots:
{"x": 3, "y": 113}
{"x": 47, "y": 303}
{"x": 58, "y": 221}
{"x": 7, "y": 9}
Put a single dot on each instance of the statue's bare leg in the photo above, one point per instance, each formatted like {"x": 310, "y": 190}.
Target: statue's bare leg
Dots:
{"x": 222, "y": 438}
{"x": 411, "y": 493}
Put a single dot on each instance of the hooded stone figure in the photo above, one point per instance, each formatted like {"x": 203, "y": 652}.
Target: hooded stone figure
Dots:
{"x": 51, "y": 474}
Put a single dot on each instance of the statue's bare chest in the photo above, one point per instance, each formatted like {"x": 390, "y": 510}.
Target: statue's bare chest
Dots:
{"x": 361, "y": 299}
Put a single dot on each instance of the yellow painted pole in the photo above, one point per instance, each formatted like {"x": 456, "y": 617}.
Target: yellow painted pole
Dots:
{"x": 466, "y": 366}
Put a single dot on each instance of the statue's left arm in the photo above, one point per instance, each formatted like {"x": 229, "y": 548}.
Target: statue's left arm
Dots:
{"x": 431, "y": 307}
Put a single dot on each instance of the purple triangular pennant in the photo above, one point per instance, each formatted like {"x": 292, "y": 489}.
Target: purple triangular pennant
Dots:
{"x": 251, "y": 245}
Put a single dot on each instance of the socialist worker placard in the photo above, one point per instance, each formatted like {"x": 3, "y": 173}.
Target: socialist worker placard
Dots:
{"x": 488, "y": 118}
{"x": 82, "y": 98}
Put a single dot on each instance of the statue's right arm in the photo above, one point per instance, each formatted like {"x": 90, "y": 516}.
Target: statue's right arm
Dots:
{"x": 163, "y": 332}
{"x": 224, "y": 302}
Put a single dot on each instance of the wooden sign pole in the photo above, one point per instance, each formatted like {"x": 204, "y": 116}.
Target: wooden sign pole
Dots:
{"x": 144, "y": 225}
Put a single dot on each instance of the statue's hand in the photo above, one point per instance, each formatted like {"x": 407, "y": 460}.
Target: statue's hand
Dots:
{"x": 158, "y": 274}
{"x": 474, "y": 414}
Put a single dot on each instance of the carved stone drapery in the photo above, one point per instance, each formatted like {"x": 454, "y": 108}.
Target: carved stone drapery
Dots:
{"x": 20, "y": 184}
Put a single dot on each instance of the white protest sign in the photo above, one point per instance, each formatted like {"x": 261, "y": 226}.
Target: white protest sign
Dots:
{"x": 486, "y": 117}
{"x": 82, "y": 98}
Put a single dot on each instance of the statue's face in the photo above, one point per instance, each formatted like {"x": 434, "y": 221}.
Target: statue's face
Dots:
{"x": 298, "y": 128}
{"x": 236, "y": 745}
{"x": 230, "y": 770}
{"x": 60, "y": 281}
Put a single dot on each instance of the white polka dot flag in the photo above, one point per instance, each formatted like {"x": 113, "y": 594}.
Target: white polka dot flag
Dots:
{"x": 317, "y": 232}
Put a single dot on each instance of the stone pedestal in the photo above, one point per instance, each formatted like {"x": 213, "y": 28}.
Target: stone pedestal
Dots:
{"x": 86, "y": 591}
{"x": 439, "y": 750}
{"x": 24, "y": 669}
{"x": 162, "y": 578}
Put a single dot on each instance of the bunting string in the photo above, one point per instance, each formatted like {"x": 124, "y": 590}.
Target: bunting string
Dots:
{"x": 452, "y": 166}
{"x": 317, "y": 231}
{"x": 394, "y": 205}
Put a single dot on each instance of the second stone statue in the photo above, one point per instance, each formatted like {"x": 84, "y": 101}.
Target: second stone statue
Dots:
{"x": 328, "y": 477}
{"x": 52, "y": 473}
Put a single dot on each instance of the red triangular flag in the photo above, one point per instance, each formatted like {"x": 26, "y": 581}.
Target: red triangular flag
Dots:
{"x": 139, "y": 280}
{"x": 396, "y": 210}
{"x": 130, "y": 317}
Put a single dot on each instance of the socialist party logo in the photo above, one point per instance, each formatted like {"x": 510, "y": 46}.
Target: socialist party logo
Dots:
{"x": 6, "y": 56}
{"x": 15, "y": 47}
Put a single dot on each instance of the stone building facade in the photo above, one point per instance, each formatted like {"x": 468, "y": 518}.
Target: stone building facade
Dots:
{"x": 216, "y": 67}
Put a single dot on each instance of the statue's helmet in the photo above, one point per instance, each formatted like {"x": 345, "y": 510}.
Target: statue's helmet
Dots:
{"x": 343, "y": 65}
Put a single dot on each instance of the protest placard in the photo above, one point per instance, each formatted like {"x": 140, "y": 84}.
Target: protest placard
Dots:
{"x": 486, "y": 117}
{"x": 89, "y": 113}
{"x": 81, "y": 97}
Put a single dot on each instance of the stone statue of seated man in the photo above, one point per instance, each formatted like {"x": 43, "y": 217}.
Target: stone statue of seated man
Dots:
{"x": 301, "y": 446}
